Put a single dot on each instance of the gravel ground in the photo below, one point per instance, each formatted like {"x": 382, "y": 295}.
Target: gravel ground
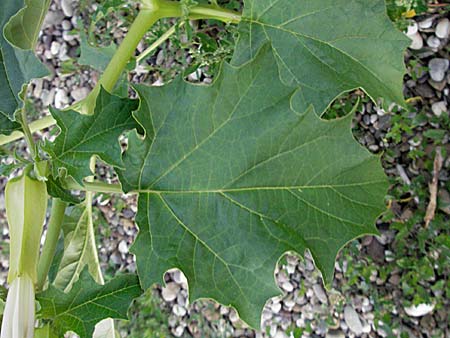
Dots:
{"x": 306, "y": 309}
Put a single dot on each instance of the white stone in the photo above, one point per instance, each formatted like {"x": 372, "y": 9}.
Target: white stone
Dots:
{"x": 179, "y": 330}
{"x": 79, "y": 93}
{"x": 438, "y": 108}
{"x": 419, "y": 310}
{"x": 352, "y": 320}
{"x": 169, "y": 292}
{"x": 67, "y": 7}
{"x": 413, "y": 28}
{"x": 417, "y": 41}
{"x": 281, "y": 334}
{"x": 179, "y": 311}
{"x": 275, "y": 307}
{"x": 61, "y": 98}
{"x": 443, "y": 29}
{"x": 288, "y": 287}
{"x": 54, "y": 48}
{"x": 425, "y": 24}
{"x": 123, "y": 247}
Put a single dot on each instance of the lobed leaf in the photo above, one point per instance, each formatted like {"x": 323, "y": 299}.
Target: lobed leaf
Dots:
{"x": 326, "y": 47}
{"x": 88, "y": 303}
{"x": 231, "y": 178}
{"x": 83, "y": 136}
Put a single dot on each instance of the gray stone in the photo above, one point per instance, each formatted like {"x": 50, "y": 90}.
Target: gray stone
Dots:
{"x": 79, "y": 93}
{"x": 433, "y": 42}
{"x": 437, "y": 68}
{"x": 320, "y": 293}
{"x": 352, "y": 320}
{"x": 67, "y": 7}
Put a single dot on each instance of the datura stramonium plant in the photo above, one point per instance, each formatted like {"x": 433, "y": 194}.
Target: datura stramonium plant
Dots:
{"x": 26, "y": 205}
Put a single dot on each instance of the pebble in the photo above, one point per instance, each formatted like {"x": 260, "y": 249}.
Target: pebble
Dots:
{"x": 320, "y": 293}
{"x": 438, "y": 108}
{"x": 433, "y": 42}
{"x": 437, "y": 68}
{"x": 352, "y": 320}
{"x": 419, "y": 310}
{"x": 412, "y": 29}
{"x": 275, "y": 307}
{"x": 443, "y": 29}
{"x": 169, "y": 292}
{"x": 179, "y": 311}
{"x": 67, "y": 7}
{"x": 416, "y": 41}
{"x": 54, "y": 48}
{"x": 79, "y": 93}
{"x": 123, "y": 247}
{"x": 425, "y": 24}
{"x": 61, "y": 98}
{"x": 66, "y": 25}
{"x": 287, "y": 286}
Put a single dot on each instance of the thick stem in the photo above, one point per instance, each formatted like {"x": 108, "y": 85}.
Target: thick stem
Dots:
{"x": 144, "y": 20}
{"x": 51, "y": 241}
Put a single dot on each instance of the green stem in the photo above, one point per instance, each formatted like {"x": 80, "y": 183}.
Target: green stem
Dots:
{"x": 35, "y": 126}
{"x": 51, "y": 241}
{"x": 27, "y": 133}
{"x": 95, "y": 187}
{"x": 158, "y": 42}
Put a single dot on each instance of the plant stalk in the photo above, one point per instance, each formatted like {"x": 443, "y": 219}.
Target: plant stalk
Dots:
{"x": 51, "y": 241}
{"x": 34, "y": 126}
{"x": 27, "y": 133}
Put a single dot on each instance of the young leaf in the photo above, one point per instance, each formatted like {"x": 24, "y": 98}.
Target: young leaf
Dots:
{"x": 88, "y": 303}
{"x": 95, "y": 57}
{"x": 17, "y": 67}
{"x": 79, "y": 249}
{"x": 327, "y": 47}
{"x": 83, "y": 136}
{"x": 23, "y": 28}
{"x": 230, "y": 178}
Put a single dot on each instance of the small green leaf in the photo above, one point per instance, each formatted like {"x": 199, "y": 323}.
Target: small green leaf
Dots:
{"x": 88, "y": 303}
{"x": 56, "y": 189}
{"x": 83, "y": 136}
{"x": 23, "y": 28}
{"x": 327, "y": 47}
{"x": 17, "y": 67}
{"x": 231, "y": 178}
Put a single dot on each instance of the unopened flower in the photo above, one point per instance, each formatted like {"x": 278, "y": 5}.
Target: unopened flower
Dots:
{"x": 19, "y": 314}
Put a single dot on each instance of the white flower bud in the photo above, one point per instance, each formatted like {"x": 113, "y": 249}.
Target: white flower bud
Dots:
{"x": 19, "y": 313}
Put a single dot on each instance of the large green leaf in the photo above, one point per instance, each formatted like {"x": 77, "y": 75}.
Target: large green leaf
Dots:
{"x": 83, "y": 136}
{"x": 327, "y": 47}
{"x": 23, "y": 28}
{"x": 17, "y": 67}
{"x": 230, "y": 178}
{"x": 88, "y": 303}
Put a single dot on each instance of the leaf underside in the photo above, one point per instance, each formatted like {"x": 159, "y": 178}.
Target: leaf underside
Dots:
{"x": 230, "y": 178}
{"x": 327, "y": 47}
{"x": 88, "y": 303}
{"x": 23, "y": 28}
{"x": 17, "y": 66}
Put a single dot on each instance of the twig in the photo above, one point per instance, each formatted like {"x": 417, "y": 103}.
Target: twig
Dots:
{"x": 431, "y": 209}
